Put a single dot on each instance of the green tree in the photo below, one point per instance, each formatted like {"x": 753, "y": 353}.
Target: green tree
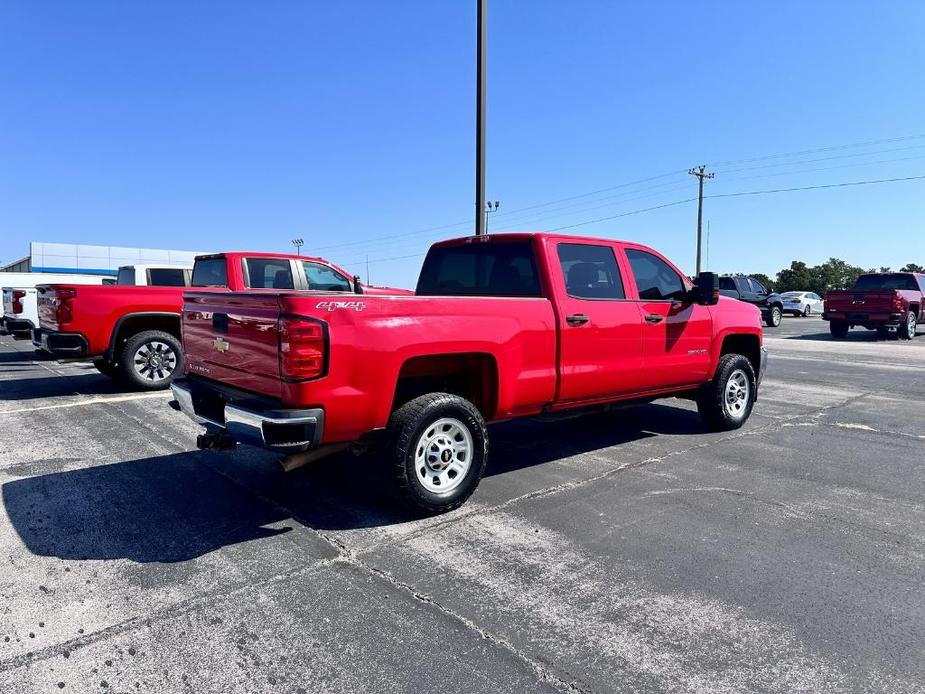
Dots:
{"x": 912, "y": 267}
{"x": 797, "y": 278}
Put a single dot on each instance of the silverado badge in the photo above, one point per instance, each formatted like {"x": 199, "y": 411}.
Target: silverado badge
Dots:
{"x": 220, "y": 344}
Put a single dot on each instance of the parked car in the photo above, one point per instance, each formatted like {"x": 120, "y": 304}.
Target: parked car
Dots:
{"x": 751, "y": 291}
{"x": 501, "y": 326}
{"x": 802, "y": 303}
{"x": 20, "y": 313}
{"x": 884, "y": 302}
{"x": 133, "y": 332}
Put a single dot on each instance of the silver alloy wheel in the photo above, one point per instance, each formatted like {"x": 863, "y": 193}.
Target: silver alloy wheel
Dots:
{"x": 738, "y": 392}
{"x": 911, "y": 324}
{"x": 807, "y": 312}
{"x": 154, "y": 360}
{"x": 443, "y": 455}
{"x": 775, "y": 316}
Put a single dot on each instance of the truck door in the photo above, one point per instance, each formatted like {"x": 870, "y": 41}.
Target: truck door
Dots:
{"x": 677, "y": 332}
{"x": 600, "y": 332}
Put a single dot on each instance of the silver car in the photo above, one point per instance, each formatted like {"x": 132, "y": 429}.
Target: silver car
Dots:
{"x": 802, "y": 303}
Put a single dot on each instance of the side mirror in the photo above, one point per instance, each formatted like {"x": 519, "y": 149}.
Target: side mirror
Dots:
{"x": 706, "y": 289}
{"x": 357, "y": 285}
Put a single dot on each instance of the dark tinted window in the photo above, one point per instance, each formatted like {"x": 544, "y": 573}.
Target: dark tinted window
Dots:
{"x": 269, "y": 273}
{"x": 757, "y": 286}
{"x": 323, "y": 278}
{"x": 210, "y": 272}
{"x": 480, "y": 269}
{"x": 727, "y": 283}
{"x": 590, "y": 272}
{"x": 167, "y": 277}
{"x": 874, "y": 282}
{"x": 126, "y": 276}
{"x": 654, "y": 277}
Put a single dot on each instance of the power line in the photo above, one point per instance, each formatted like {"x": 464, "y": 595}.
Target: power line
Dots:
{"x": 818, "y": 150}
{"x": 826, "y": 185}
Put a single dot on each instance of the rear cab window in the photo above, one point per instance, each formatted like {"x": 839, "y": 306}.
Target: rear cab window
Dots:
{"x": 268, "y": 273}
{"x": 885, "y": 282}
{"x": 167, "y": 277}
{"x": 126, "y": 277}
{"x": 590, "y": 271}
{"x": 210, "y": 272}
{"x": 656, "y": 280}
{"x": 501, "y": 268}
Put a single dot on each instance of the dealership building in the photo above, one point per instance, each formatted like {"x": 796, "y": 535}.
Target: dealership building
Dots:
{"x": 93, "y": 260}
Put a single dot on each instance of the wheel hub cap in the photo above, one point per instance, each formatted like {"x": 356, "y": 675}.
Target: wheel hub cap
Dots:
{"x": 737, "y": 394}
{"x": 443, "y": 455}
{"x": 154, "y": 361}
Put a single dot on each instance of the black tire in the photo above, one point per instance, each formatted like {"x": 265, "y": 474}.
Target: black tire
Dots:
{"x": 838, "y": 328}
{"x": 159, "y": 346}
{"x": 712, "y": 404}
{"x": 883, "y": 333}
{"x": 908, "y": 326}
{"x": 775, "y": 316}
{"x": 413, "y": 433}
{"x": 108, "y": 369}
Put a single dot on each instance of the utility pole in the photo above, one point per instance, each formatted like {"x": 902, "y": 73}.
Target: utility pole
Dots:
{"x": 298, "y": 243}
{"x": 481, "y": 44}
{"x": 367, "y": 268}
{"x": 700, "y": 173}
{"x": 488, "y": 210}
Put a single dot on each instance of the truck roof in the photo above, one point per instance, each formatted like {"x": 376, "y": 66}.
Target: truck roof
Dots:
{"x": 523, "y": 236}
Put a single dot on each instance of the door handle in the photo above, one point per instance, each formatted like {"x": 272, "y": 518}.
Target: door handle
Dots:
{"x": 577, "y": 319}
{"x": 654, "y": 318}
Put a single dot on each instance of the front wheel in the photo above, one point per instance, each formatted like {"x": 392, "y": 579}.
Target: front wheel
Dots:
{"x": 908, "y": 327}
{"x": 808, "y": 311}
{"x": 726, "y": 402}
{"x": 438, "y": 451}
{"x": 774, "y": 316}
{"x": 150, "y": 359}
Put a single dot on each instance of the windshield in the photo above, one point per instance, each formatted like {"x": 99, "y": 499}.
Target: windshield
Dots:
{"x": 792, "y": 295}
{"x": 874, "y": 282}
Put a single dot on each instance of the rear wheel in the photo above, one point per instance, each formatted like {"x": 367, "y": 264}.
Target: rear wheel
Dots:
{"x": 807, "y": 311}
{"x": 150, "y": 359}
{"x": 775, "y": 314}
{"x": 908, "y": 327}
{"x": 726, "y": 402}
{"x": 438, "y": 451}
{"x": 838, "y": 328}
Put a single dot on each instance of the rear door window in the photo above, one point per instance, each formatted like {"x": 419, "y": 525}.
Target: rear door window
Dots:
{"x": 210, "y": 272}
{"x": 757, "y": 286}
{"x": 655, "y": 279}
{"x": 480, "y": 269}
{"x": 269, "y": 273}
{"x": 727, "y": 283}
{"x": 167, "y": 277}
{"x": 323, "y": 278}
{"x": 590, "y": 271}
{"x": 126, "y": 277}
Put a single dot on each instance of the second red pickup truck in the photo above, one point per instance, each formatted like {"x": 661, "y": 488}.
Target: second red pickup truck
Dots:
{"x": 133, "y": 332}
{"x": 884, "y": 302}
{"x": 501, "y": 326}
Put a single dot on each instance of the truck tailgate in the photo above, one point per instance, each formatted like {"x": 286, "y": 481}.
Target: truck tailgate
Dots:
{"x": 233, "y": 338}
{"x": 849, "y": 301}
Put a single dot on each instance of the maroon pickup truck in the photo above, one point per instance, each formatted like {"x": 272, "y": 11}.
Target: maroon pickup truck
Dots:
{"x": 883, "y": 302}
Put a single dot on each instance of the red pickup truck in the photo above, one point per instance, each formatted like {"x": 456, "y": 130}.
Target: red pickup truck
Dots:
{"x": 878, "y": 301}
{"x": 501, "y": 326}
{"x": 133, "y": 332}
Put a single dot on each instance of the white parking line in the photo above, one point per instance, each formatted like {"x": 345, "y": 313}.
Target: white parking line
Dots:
{"x": 89, "y": 401}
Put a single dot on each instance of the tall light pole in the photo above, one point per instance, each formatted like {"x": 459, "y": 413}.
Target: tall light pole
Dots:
{"x": 481, "y": 45}
{"x": 700, "y": 173}
{"x": 298, "y": 243}
{"x": 488, "y": 210}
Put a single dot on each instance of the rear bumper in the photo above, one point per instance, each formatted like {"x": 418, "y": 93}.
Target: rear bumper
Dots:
{"x": 18, "y": 326}
{"x": 60, "y": 344}
{"x": 248, "y": 421}
{"x": 890, "y": 320}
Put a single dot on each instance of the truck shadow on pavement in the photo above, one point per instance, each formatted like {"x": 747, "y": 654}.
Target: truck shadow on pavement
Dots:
{"x": 177, "y": 507}
{"x": 52, "y": 385}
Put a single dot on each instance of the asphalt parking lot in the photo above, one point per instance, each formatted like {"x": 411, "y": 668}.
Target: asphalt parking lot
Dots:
{"x": 629, "y": 551}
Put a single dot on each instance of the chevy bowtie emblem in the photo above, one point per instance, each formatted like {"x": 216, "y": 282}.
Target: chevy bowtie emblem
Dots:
{"x": 220, "y": 344}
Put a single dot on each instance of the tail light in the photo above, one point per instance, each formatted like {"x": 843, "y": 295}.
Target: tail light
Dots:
{"x": 17, "y": 300}
{"x": 63, "y": 313}
{"x": 302, "y": 348}
{"x": 897, "y": 301}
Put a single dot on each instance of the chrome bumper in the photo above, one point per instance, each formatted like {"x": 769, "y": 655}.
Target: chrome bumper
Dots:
{"x": 278, "y": 430}
{"x": 762, "y": 364}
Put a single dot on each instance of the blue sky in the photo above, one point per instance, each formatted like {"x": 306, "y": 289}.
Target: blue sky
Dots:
{"x": 240, "y": 125}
